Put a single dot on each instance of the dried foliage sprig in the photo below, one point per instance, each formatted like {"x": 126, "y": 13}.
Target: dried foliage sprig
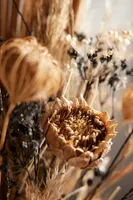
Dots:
{"x": 55, "y": 184}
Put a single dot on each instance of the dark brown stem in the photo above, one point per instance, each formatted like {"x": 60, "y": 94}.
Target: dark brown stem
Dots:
{"x": 5, "y": 125}
{"x": 76, "y": 6}
{"x": 2, "y": 141}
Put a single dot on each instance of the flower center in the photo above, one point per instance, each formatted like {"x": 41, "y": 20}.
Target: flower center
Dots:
{"x": 80, "y": 127}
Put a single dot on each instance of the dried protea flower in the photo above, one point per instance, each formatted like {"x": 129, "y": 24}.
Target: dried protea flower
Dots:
{"x": 79, "y": 134}
{"x": 28, "y": 71}
{"x": 127, "y": 103}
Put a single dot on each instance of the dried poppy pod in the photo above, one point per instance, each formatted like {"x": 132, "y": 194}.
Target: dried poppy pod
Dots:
{"x": 28, "y": 71}
{"x": 78, "y": 134}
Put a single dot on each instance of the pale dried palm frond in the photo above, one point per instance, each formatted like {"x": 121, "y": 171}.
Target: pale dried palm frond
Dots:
{"x": 57, "y": 22}
{"x": 40, "y": 20}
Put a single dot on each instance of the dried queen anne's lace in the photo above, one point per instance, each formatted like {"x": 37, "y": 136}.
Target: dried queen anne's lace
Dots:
{"x": 79, "y": 134}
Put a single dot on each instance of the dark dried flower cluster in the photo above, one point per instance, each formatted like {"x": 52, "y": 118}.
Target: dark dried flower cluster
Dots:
{"x": 23, "y": 143}
{"x": 100, "y": 58}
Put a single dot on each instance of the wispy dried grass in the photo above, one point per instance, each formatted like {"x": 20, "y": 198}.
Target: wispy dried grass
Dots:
{"x": 56, "y": 182}
{"x": 33, "y": 192}
{"x": 57, "y": 22}
{"x": 40, "y": 20}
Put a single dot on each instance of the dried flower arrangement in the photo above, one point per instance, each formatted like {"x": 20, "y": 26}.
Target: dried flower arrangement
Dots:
{"x": 55, "y": 83}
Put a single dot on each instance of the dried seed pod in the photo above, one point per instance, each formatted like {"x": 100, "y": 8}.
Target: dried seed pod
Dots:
{"x": 91, "y": 133}
{"x": 27, "y": 71}
{"x": 127, "y": 103}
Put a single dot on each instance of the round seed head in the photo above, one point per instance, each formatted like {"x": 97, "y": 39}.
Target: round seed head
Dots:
{"x": 27, "y": 71}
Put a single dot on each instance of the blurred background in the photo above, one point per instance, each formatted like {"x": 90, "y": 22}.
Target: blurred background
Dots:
{"x": 119, "y": 16}
{"x": 94, "y": 16}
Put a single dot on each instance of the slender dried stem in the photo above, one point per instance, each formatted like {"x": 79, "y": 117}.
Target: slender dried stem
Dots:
{"x": 114, "y": 193}
{"x": 75, "y": 192}
{"x": 128, "y": 194}
{"x": 68, "y": 82}
{"x": 90, "y": 97}
{"x": 76, "y": 7}
{"x": 5, "y": 125}
{"x": 25, "y": 23}
{"x": 4, "y": 131}
{"x": 113, "y": 104}
{"x": 30, "y": 169}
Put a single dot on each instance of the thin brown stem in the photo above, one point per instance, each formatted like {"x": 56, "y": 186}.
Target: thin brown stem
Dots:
{"x": 5, "y": 125}
{"x": 76, "y": 7}
{"x": 3, "y": 134}
{"x": 31, "y": 168}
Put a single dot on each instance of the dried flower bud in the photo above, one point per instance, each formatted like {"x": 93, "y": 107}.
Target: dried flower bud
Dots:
{"x": 27, "y": 71}
{"x": 127, "y": 103}
{"x": 78, "y": 134}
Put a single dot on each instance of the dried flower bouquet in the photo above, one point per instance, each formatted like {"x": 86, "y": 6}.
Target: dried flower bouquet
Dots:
{"x": 57, "y": 119}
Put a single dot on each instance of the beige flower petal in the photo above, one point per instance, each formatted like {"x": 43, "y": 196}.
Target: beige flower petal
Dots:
{"x": 69, "y": 151}
{"x": 75, "y": 102}
{"x": 57, "y": 152}
{"x": 78, "y": 161}
{"x": 95, "y": 163}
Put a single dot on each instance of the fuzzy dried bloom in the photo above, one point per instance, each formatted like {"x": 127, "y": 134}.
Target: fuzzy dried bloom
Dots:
{"x": 127, "y": 103}
{"x": 57, "y": 22}
{"x": 27, "y": 71}
{"x": 79, "y": 134}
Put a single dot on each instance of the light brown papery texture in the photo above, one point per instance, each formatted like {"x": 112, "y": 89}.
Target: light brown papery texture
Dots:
{"x": 27, "y": 70}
